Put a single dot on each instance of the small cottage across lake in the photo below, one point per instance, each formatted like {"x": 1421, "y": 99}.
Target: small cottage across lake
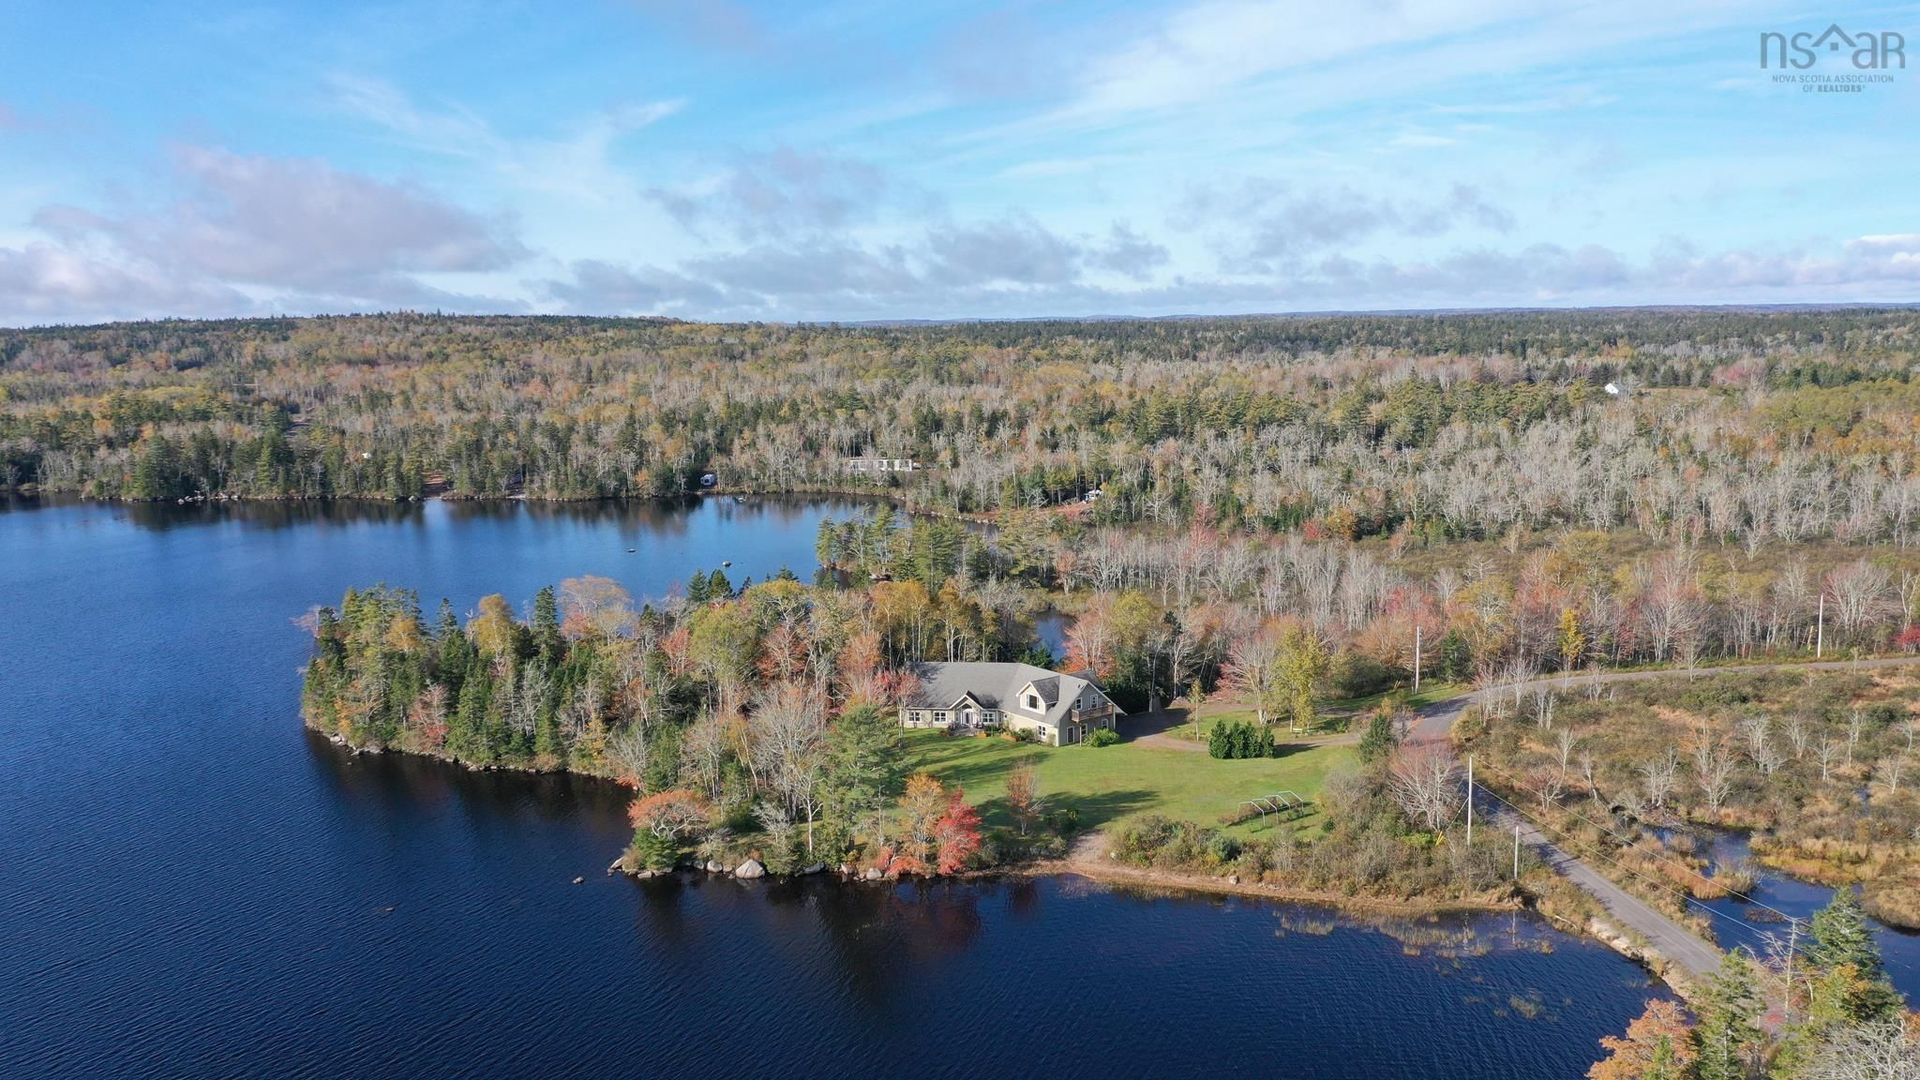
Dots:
{"x": 1058, "y": 709}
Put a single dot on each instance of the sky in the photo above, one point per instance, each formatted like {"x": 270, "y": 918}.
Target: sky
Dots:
{"x": 847, "y": 161}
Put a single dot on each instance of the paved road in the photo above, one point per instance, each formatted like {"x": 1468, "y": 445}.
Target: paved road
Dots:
{"x": 1669, "y": 938}
{"x": 1436, "y": 720}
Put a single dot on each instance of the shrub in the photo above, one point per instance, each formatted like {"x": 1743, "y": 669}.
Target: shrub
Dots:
{"x": 1240, "y": 739}
{"x": 1223, "y": 848}
{"x": 651, "y": 851}
{"x": 1357, "y": 674}
{"x": 1102, "y": 737}
{"x": 1380, "y": 737}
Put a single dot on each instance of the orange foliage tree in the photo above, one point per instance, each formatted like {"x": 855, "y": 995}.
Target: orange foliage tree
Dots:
{"x": 670, "y": 814}
{"x": 1656, "y": 1047}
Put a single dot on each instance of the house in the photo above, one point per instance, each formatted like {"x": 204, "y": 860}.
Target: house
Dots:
{"x": 870, "y": 465}
{"x": 1058, "y": 709}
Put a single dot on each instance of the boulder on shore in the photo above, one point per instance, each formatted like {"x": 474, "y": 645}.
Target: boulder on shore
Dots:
{"x": 715, "y": 866}
{"x": 873, "y": 874}
{"x": 816, "y": 868}
{"x": 750, "y": 869}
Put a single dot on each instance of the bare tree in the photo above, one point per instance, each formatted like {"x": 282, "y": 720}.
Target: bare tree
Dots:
{"x": 1798, "y": 735}
{"x": 1713, "y": 769}
{"x": 1427, "y": 785}
{"x": 1889, "y": 772}
{"x": 1758, "y": 732}
{"x": 1542, "y": 708}
{"x": 1549, "y": 784}
{"x": 1660, "y": 775}
{"x": 786, "y": 734}
{"x": 1881, "y": 1050}
{"x": 1564, "y": 745}
{"x": 627, "y": 751}
{"x": 1824, "y": 754}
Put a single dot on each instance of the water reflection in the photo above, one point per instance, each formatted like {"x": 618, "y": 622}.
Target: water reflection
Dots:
{"x": 630, "y": 517}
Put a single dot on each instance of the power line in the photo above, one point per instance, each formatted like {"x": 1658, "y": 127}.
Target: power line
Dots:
{"x": 1656, "y": 883}
{"x": 1625, "y": 843}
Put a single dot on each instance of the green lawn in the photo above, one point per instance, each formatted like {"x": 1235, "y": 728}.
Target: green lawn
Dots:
{"x": 1106, "y": 784}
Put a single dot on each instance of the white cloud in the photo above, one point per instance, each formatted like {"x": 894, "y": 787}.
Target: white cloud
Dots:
{"x": 577, "y": 164}
{"x": 781, "y": 192}
{"x": 250, "y": 233}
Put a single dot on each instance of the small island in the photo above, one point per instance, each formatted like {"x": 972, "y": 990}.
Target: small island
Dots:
{"x": 788, "y": 727}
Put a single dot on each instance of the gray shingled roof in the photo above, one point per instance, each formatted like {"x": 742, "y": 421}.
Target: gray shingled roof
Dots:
{"x": 995, "y": 686}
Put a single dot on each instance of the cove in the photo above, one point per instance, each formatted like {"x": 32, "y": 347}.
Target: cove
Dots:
{"x": 191, "y": 884}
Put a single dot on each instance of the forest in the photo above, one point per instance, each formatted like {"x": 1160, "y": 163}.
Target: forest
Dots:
{"x": 1299, "y": 517}
{"x": 1722, "y": 426}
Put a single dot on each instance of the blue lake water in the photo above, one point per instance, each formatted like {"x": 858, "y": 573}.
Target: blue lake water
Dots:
{"x": 193, "y": 885}
{"x": 1759, "y": 920}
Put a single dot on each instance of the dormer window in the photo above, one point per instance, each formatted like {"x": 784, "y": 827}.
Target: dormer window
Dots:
{"x": 1033, "y": 702}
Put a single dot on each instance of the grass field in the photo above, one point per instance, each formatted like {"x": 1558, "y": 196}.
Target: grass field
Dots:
{"x": 1106, "y": 784}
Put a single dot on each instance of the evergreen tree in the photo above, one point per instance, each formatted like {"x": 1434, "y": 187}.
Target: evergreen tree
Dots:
{"x": 718, "y": 587}
{"x": 697, "y": 588}
{"x": 456, "y": 650}
{"x": 1727, "y": 1041}
{"x": 1840, "y": 937}
{"x": 466, "y": 729}
{"x": 866, "y": 768}
{"x": 1380, "y": 737}
{"x": 546, "y": 625}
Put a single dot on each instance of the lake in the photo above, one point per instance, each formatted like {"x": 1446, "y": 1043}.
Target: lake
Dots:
{"x": 1757, "y": 921}
{"x": 191, "y": 884}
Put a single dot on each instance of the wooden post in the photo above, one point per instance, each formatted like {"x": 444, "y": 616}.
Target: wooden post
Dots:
{"x": 1820, "y": 627}
{"x": 1469, "y": 801}
{"x": 1516, "y": 853}
{"x": 1416, "y": 658}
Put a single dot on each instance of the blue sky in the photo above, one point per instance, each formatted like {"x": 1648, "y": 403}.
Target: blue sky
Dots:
{"x": 940, "y": 160}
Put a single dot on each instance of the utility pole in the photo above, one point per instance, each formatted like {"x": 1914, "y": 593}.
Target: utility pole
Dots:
{"x": 1416, "y": 659}
{"x": 1469, "y": 802}
{"x": 1793, "y": 945}
{"x": 1820, "y": 628}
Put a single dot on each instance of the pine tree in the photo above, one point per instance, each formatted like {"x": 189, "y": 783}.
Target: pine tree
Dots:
{"x": 1841, "y": 937}
{"x": 1380, "y": 737}
{"x": 866, "y": 767}
{"x": 456, "y": 650}
{"x": 1726, "y": 1040}
{"x": 546, "y": 625}
{"x": 466, "y": 734}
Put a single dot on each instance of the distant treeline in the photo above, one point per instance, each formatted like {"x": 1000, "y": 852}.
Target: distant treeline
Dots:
{"x": 1736, "y": 424}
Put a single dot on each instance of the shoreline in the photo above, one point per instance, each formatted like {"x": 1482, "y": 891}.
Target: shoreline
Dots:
{"x": 1114, "y": 873}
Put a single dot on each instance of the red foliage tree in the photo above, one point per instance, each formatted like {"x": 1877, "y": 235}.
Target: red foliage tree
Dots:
{"x": 957, "y": 832}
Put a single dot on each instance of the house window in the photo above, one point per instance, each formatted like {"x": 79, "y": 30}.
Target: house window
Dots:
{"x": 1033, "y": 701}
{"x": 1041, "y": 731}
{"x": 940, "y": 717}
